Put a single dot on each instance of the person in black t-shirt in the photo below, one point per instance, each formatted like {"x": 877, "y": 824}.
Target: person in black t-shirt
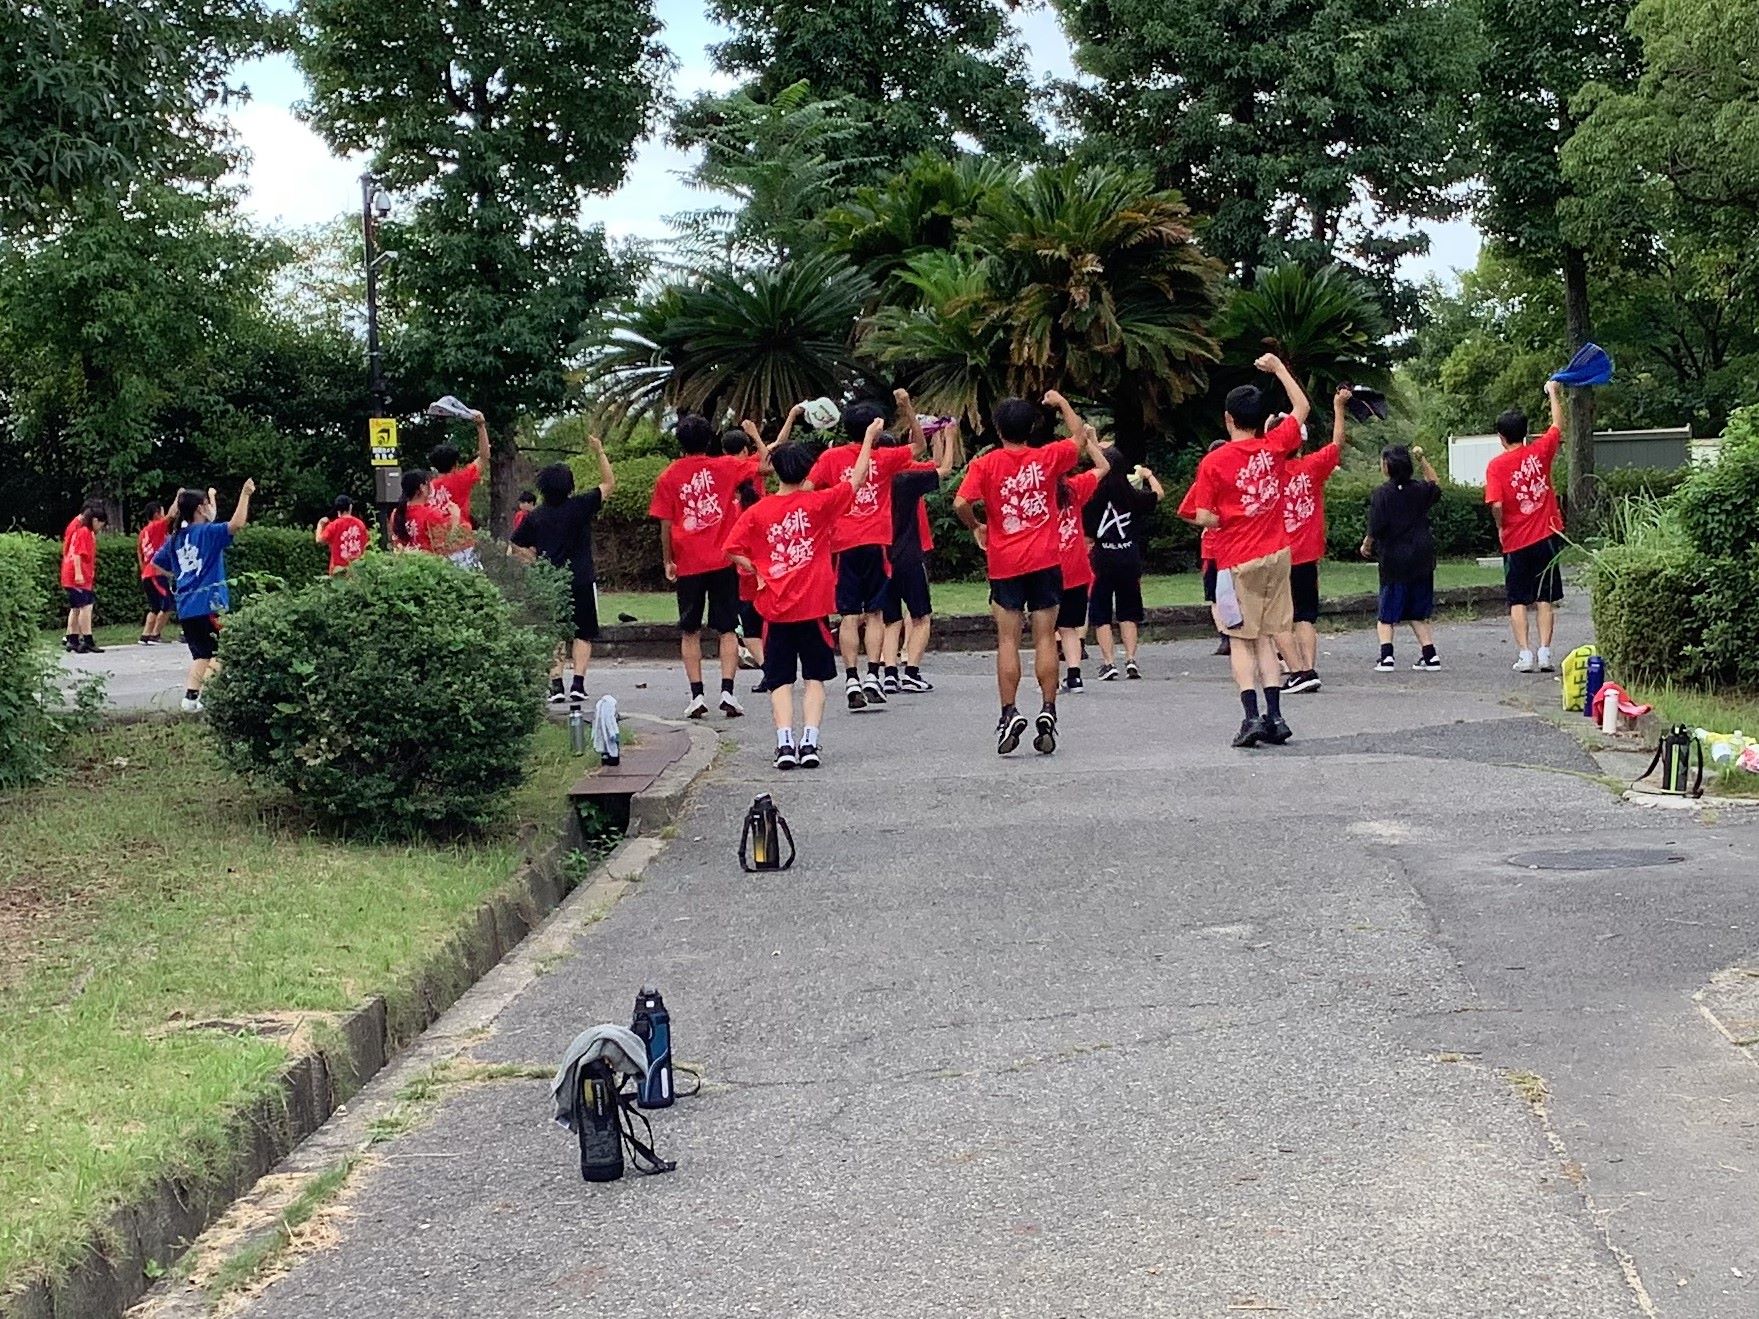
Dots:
{"x": 560, "y": 530}
{"x": 907, "y": 592}
{"x": 1398, "y": 531}
{"x": 1116, "y": 521}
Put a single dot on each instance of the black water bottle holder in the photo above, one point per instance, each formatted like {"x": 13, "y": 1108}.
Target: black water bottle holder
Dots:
{"x": 755, "y": 821}
{"x": 1693, "y": 755}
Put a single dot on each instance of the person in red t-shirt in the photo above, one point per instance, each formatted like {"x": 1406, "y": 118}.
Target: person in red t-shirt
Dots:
{"x": 344, "y": 534}
{"x": 784, "y": 541}
{"x": 1017, "y": 486}
{"x": 453, "y": 486}
{"x": 527, "y": 502}
{"x": 154, "y": 529}
{"x": 912, "y": 538}
{"x": 79, "y": 576}
{"x": 1304, "y": 522}
{"x": 1076, "y": 562}
{"x": 1206, "y": 560}
{"x": 1238, "y": 491}
{"x": 1517, "y": 486}
{"x": 861, "y": 540}
{"x": 418, "y": 524}
{"x": 694, "y": 502}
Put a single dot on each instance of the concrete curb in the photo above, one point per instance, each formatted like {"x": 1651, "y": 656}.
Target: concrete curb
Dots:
{"x": 977, "y": 631}
{"x": 155, "y": 1230}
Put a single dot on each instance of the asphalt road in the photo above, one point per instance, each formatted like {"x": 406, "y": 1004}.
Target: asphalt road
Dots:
{"x": 1148, "y": 1027}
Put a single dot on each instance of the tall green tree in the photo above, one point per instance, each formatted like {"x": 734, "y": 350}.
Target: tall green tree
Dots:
{"x": 101, "y": 95}
{"x": 1538, "y": 56}
{"x": 922, "y": 72}
{"x": 1323, "y": 322}
{"x": 491, "y": 117}
{"x": 1314, "y": 129}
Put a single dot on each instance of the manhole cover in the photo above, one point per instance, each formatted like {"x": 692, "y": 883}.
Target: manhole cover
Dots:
{"x": 1597, "y": 858}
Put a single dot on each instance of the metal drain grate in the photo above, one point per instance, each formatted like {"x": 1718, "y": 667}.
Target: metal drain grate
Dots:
{"x": 1597, "y": 858}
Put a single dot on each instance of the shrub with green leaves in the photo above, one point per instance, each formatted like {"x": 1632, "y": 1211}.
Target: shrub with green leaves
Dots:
{"x": 396, "y": 697}
{"x": 35, "y": 717}
{"x": 1718, "y": 506}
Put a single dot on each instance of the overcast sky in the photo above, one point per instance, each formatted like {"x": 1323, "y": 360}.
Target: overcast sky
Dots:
{"x": 293, "y": 179}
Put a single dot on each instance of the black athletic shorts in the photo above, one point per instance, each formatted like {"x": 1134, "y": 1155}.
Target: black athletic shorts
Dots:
{"x": 719, "y": 590}
{"x": 586, "y": 610}
{"x": 1029, "y": 592}
{"x": 750, "y": 621}
{"x": 202, "y": 634}
{"x": 1209, "y": 581}
{"x": 909, "y": 593}
{"x": 78, "y": 597}
{"x": 159, "y": 600}
{"x": 1116, "y": 597}
{"x": 803, "y": 648}
{"x": 1304, "y": 590}
{"x": 1073, "y": 610}
{"x": 862, "y": 580}
{"x": 1532, "y": 575}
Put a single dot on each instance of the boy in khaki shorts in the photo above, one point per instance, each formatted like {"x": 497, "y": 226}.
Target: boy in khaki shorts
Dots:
{"x": 1238, "y": 491}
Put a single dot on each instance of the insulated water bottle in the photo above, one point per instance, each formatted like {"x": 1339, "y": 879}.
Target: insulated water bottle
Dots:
{"x": 577, "y": 731}
{"x": 1596, "y": 678}
{"x": 654, "y": 1025}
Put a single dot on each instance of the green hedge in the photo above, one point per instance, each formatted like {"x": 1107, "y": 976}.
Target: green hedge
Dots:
{"x": 1647, "y": 603}
{"x": 260, "y": 558}
{"x": 1625, "y": 482}
{"x": 35, "y": 718}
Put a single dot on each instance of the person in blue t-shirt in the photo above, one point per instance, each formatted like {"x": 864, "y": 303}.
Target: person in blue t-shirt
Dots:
{"x": 194, "y": 558}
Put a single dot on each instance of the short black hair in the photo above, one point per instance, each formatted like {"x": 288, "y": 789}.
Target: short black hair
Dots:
{"x": 526, "y": 497}
{"x": 695, "y": 435}
{"x": 94, "y": 511}
{"x": 1248, "y": 406}
{"x": 857, "y": 417}
{"x": 443, "y": 457}
{"x": 1398, "y": 463}
{"x": 153, "y": 510}
{"x": 555, "y": 483}
{"x": 1015, "y": 420}
{"x": 342, "y": 505}
{"x": 734, "y": 442}
{"x": 1512, "y": 426}
{"x": 887, "y": 440}
{"x": 792, "y": 462}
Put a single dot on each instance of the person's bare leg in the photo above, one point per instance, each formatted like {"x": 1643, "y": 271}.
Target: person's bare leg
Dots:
{"x": 1243, "y": 660}
{"x": 755, "y": 645}
{"x": 1284, "y": 650}
{"x": 1044, "y": 652}
{"x": 1132, "y": 634}
{"x": 1069, "y": 639}
{"x": 1265, "y": 649}
{"x": 782, "y": 705}
{"x": 1385, "y": 632}
{"x": 875, "y": 623}
{"x": 582, "y": 657}
{"x": 849, "y": 639}
{"x": 1518, "y": 626}
{"x": 1547, "y": 621}
{"x": 1008, "y": 625}
{"x": 1423, "y": 632}
{"x": 814, "y": 704}
{"x": 690, "y": 647}
{"x": 892, "y": 650}
{"x": 920, "y": 628}
{"x": 198, "y": 674}
{"x": 1307, "y": 646}
{"x": 1102, "y": 636}
{"x": 73, "y": 623}
{"x": 729, "y": 655}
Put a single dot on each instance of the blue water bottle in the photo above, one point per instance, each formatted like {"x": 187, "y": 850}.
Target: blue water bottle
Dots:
{"x": 1596, "y": 679}
{"x": 654, "y": 1025}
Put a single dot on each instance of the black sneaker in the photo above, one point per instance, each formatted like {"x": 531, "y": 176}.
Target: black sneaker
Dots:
{"x": 88, "y": 646}
{"x": 1109, "y": 673}
{"x": 1274, "y": 729}
{"x": 146, "y": 641}
{"x": 1044, "y": 740}
{"x": 809, "y": 755}
{"x": 596, "y": 1122}
{"x": 1010, "y": 728}
{"x": 890, "y": 684}
{"x": 557, "y": 694}
{"x": 1224, "y": 646}
{"x": 1302, "y": 682}
{"x": 577, "y": 694}
{"x": 1072, "y": 685}
{"x": 871, "y": 689}
{"x": 1250, "y": 731}
{"x": 1427, "y": 662}
{"x": 1385, "y": 664}
{"x": 787, "y": 757}
{"x": 1131, "y": 671}
{"x": 915, "y": 682}
{"x": 762, "y": 688}
{"x": 70, "y": 645}
{"x": 857, "y": 697}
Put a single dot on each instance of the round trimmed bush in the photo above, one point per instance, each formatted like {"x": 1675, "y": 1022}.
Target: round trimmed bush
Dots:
{"x": 398, "y": 696}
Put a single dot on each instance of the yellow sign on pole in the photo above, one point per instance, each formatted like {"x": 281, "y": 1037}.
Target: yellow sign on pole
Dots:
{"x": 381, "y": 435}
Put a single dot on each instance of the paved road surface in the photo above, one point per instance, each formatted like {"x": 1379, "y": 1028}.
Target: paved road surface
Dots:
{"x": 1149, "y": 1027}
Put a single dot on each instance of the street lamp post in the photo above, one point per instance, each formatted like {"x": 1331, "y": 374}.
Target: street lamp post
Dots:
{"x": 375, "y": 205}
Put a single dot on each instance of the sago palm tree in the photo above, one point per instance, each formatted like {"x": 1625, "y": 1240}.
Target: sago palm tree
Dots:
{"x": 942, "y": 335}
{"x": 729, "y": 344}
{"x": 1324, "y": 322}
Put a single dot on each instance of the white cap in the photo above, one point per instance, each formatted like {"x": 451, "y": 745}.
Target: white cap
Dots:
{"x": 821, "y": 414}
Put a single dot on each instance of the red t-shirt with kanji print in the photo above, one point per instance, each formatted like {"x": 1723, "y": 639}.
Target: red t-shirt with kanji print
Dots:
{"x": 1520, "y": 480}
{"x": 1304, "y": 502}
{"x": 1242, "y": 483}
{"x": 695, "y": 494}
{"x": 1071, "y": 543}
{"x": 1018, "y": 489}
{"x": 788, "y": 539}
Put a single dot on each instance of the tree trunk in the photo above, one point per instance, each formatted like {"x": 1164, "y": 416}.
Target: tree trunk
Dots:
{"x": 503, "y": 479}
{"x": 1579, "y": 418}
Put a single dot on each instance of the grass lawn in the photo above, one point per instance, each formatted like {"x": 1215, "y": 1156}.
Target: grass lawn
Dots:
{"x": 1720, "y": 712}
{"x": 150, "y": 891}
{"x": 951, "y": 598}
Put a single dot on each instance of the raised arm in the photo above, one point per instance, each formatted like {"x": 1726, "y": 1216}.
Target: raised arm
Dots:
{"x": 1071, "y": 419}
{"x": 607, "y": 478}
{"x": 787, "y": 431}
{"x": 482, "y": 441}
{"x": 864, "y": 459}
{"x": 1338, "y": 413}
{"x": 907, "y": 411}
{"x": 241, "y": 510}
{"x": 1427, "y": 467}
{"x": 1555, "y": 392}
{"x": 1096, "y": 450}
{"x": 945, "y": 453}
{"x": 318, "y": 536}
{"x": 1152, "y": 480}
{"x": 1299, "y": 406}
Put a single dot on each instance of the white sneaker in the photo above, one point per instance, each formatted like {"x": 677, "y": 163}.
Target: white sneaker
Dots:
{"x": 697, "y": 708}
{"x": 193, "y": 707}
{"x": 730, "y": 706}
{"x": 1525, "y": 663}
{"x": 747, "y": 660}
{"x": 1545, "y": 664}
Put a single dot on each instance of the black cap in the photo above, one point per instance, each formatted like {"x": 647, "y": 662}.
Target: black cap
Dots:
{"x": 1366, "y": 404}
